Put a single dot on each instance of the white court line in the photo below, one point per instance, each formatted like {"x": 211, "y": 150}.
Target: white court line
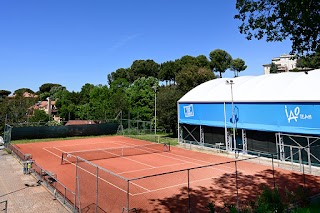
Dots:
{"x": 121, "y": 157}
{"x": 103, "y": 142}
{"x": 125, "y": 191}
{"x": 164, "y": 155}
{"x": 168, "y": 187}
{"x": 140, "y": 170}
{"x": 168, "y": 155}
{"x": 45, "y": 148}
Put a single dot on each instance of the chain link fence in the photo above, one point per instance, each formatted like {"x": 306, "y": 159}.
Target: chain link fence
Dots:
{"x": 186, "y": 190}
{"x": 49, "y": 180}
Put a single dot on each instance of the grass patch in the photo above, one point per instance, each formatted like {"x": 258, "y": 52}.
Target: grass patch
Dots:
{"x": 158, "y": 138}
{"x": 163, "y": 138}
{"x": 53, "y": 139}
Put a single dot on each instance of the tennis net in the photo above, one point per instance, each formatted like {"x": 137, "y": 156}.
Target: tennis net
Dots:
{"x": 98, "y": 154}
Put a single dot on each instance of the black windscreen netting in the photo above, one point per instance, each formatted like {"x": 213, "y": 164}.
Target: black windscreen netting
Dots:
{"x": 261, "y": 141}
{"x": 32, "y": 132}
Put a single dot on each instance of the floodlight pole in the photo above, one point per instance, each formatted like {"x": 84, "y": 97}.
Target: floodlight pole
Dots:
{"x": 155, "y": 111}
{"x": 230, "y": 82}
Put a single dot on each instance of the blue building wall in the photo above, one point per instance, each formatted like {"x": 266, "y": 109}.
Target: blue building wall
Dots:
{"x": 301, "y": 118}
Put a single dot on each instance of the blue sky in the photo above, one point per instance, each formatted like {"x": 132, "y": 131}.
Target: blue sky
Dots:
{"x": 73, "y": 42}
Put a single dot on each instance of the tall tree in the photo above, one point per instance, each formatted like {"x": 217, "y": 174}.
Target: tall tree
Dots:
{"x": 47, "y": 87}
{"x": 310, "y": 61}
{"x": 220, "y": 60}
{"x": 145, "y": 68}
{"x": 202, "y": 61}
{"x": 99, "y": 103}
{"x": 121, "y": 73}
{"x": 274, "y": 68}
{"x": 237, "y": 65}
{"x": 118, "y": 98}
{"x": 167, "y": 98}
{"x": 4, "y": 93}
{"x": 141, "y": 98}
{"x": 39, "y": 116}
{"x": 168, "y": 71}
{"x": 192, "y": 76}
{"x": 277, "y": 20}
{"x": 85, "y": 93}
{"x": 21, "y": 91}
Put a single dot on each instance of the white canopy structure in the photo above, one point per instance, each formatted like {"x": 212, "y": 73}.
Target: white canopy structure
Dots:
{"x": 264, "y": 111}
{"x": 282, "y": 87}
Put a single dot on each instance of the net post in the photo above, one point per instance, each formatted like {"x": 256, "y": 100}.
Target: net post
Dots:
{"x": 62, "y": 158}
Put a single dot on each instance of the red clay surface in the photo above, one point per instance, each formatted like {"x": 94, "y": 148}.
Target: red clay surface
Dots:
{"x": 165, "y": 193}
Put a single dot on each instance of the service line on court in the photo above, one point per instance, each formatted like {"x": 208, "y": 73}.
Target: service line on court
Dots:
{"x": 119, "y": 156}
{"x": 180, "y": 158}
{"x": 171, "y": 186}
{"x": 125, "y": 191}
{"x": 140, "y": 170}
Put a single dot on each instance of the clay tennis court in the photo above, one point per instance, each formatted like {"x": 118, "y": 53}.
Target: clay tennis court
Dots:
{"x": 130, "y": 182}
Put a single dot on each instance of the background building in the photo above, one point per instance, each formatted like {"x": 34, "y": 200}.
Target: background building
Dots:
{"x": 284, "y": 63}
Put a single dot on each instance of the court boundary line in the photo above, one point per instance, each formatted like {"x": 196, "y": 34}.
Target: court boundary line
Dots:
{"x": 94, "y": 175}
{"x": 168, "y": 187}
{"x": 119, "y": 157}
{"x": 180, "y": 158}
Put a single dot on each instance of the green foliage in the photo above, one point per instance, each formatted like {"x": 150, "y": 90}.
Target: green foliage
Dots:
{"x": 202, "y": 61}
{"x": 270, "y": 201}
{"x": 141, "y": 98}
{"x": 44, "y": 96}
{"x": 66, "y": 105}
{"x": 168, "y": 71}
{"x": 220, "y": 60}
{"x": 310, "y": 61}
{"x": 85, "y": 93}
{"x": 210, "y": 207}
{"x": 47, "y": 87}
{"x": 273, "y": 68}
{"x": 19, "y": 92}
{"x": 118, "y": 97}
{"x": 237, "y": 65}
{"x": 129, "y": 91}
{"x": 145, "y": 68}
{"x": 4, "y": 93}
{"x": 277, "y": 20}
{"x": 15, "y": 109}
{"x": 192, "y": 76}
{"x": 167, "y": 98}
{"x": 121, "y": 74}
{"x": 39, "y": 116}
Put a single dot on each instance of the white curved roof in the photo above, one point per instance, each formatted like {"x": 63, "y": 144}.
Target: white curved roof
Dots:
{"x": 282, "y": 87}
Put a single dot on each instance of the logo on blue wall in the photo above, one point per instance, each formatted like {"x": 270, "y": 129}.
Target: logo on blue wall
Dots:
{"x": 295, "y": 114}
{"x": 188, "y": 111}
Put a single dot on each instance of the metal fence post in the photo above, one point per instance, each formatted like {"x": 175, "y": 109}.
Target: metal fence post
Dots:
{"x": 189, "y": 207}
{"x": 77, "y": 187}
{"x": 274, "y": 180}
{"x": 128, "y": 196}
{"x": 97, "y": 189}
{"x": 235, "y": 162}
{"x": 64, "y": 196}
